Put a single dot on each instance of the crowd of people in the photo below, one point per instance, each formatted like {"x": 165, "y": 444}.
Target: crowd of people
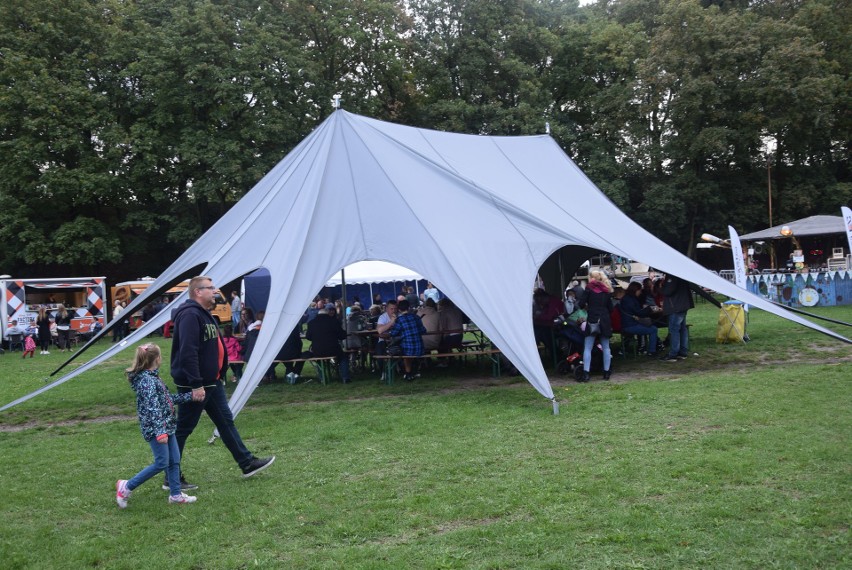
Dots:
{"x": 408, "y": 325}
{"x": 586, "y": 318}
{"x": 414, "y": 325}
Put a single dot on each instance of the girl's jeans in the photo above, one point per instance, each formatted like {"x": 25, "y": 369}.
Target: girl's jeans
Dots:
{"x": 166, "y": 458}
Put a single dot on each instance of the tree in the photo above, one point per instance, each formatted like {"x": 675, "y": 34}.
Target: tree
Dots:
{"x": 56, "y": 178}
{"x": 483, "y": 64}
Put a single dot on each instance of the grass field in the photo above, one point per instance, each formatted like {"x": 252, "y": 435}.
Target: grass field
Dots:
{"x": 735, "y": 458}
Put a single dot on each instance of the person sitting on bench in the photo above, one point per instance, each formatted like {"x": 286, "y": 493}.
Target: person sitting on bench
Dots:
{"x": 450, "y": 318}
{"x": 325, "y": 334}
{"x": 292, "y": 350}
{"x": 408, "y": 326}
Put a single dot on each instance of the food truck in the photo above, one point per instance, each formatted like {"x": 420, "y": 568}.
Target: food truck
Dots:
{"x": 128, "y": 290}
{"x": 83, "y": 297}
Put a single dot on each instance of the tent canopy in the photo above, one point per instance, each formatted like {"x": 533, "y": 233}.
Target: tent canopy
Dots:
{"x": 810, "y": 226}
{"x": 256, "y": 285}
{"x": 373, "y": 272}
{"x": 478, "y": 215}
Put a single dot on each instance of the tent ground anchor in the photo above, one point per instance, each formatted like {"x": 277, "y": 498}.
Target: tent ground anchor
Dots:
{"x": 555, "y": 407}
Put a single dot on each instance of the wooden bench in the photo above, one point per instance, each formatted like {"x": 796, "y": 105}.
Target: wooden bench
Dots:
{"x": 390, "y": 361}
{"x": 324, "y": 365}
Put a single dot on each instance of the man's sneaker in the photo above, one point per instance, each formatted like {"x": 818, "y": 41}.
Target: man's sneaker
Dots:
{"x": 122, "y": 493}
{"x": 184, "y": 486}
{"x": 182, "y": 498}
{"x": 669, "y": 358}
{"x": 257, "y": 465}
{"x": 682, "y": 356}
{"x": 291, "y": 377}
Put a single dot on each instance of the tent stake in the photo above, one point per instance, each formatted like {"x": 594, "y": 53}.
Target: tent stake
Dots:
{"x": 555, "y": 407}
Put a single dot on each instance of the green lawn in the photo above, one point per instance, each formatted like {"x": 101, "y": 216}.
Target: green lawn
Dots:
{"x": 736, "y": 458}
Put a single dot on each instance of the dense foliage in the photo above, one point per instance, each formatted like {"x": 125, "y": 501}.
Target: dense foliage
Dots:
{"x": 127, "y": 127}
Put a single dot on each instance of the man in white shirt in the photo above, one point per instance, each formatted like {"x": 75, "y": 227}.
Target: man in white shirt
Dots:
{"x": 13, "y": 328}
{"x": 384, "y": 324}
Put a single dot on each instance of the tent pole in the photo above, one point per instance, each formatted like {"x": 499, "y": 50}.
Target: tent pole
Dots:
{"x": 343, "y": 289}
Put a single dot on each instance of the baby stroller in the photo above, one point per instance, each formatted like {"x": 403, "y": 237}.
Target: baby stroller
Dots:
{"x": 570, "y": 339}
{"x": 573, "y": 363}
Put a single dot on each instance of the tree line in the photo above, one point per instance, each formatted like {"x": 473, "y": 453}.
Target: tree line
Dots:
{"x": 127, "y": 127}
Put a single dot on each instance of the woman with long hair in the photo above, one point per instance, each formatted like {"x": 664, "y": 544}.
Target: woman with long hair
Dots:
{"x": 43, "y": 324}
{"x": 63, "y": 327}
{"x": 596, "y": 299}
{"x": 636, "y": 319}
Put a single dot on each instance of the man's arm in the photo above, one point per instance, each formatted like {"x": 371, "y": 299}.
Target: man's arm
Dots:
{"x": 383, "y": 328}
{"x": 393, "y": 328}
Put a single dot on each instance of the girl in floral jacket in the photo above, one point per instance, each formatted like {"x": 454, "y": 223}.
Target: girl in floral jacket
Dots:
{"x": 157, "y": 420}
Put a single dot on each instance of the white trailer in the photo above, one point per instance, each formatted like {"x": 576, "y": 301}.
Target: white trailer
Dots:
{"x": 83, "y": 297}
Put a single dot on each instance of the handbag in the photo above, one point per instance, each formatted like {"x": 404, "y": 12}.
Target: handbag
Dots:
{"x": 593, "y": 329}
{"x": 644, "y": 321}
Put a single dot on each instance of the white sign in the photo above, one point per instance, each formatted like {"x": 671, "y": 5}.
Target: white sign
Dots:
{"x": 847, "y": 220}
{"x": 739, "y": 261}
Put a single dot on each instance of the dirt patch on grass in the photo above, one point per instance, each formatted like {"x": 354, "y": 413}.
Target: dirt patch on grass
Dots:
{"x": 64, "y": 423}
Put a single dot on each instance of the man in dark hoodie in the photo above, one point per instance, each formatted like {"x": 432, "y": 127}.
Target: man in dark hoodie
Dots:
{"x": 198, "y": 365}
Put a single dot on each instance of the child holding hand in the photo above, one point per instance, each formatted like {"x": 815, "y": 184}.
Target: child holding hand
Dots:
{"x": 157, "y": 420}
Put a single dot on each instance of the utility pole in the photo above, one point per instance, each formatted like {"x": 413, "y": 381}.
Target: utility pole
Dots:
{"x": 769, "y": 184}
{"x": 772, "y": 261}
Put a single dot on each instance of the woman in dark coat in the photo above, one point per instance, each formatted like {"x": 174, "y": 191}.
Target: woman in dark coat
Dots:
{"x": 596, "y": 299}
{"x": 632, "y": 311}
{"x": 43, "y": 324}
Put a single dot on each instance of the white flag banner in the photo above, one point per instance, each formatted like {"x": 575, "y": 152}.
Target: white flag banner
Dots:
{"x": 847, "y": 220}
{"x": 739, "y": 260}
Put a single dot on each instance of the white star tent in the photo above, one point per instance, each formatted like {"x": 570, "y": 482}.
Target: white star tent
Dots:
{"x": 476, "y": 215}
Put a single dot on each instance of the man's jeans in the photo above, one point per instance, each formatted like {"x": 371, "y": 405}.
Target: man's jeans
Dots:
{"x": 216, "y": 405}
{"x": 343, "y": 367}
{"x": 166, "y": 458}
{"x": 678, "y": 334}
